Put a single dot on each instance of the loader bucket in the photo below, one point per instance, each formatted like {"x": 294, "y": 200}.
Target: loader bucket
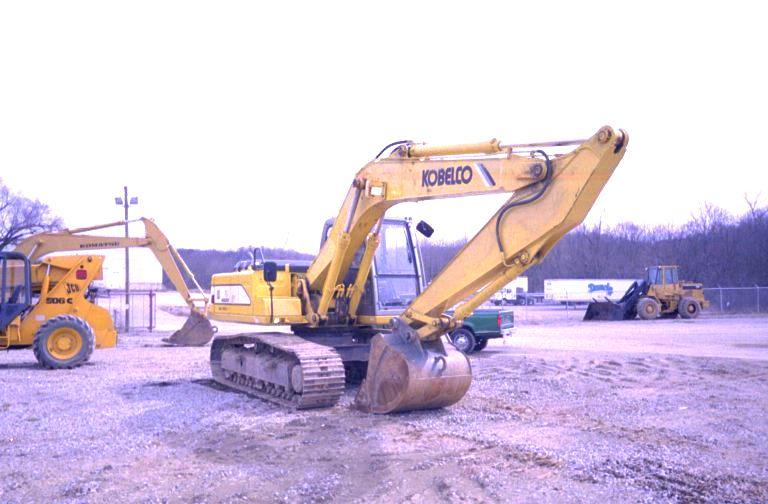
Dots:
{"x": 196, "y": 331}
{"x": 624, "y": 309}
{"x": 604, "y": 310}
{"x": 412, "y": 375}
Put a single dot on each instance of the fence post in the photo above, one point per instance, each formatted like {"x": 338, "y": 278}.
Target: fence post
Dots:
{"x": 151, "y": 310}
{"x": 721, "y": 299}
{"x": 758, "y": 297}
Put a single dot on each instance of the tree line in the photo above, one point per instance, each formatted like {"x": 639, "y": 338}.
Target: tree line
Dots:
{"x": 204, "y": 263}
{"x": 713, "y": 247}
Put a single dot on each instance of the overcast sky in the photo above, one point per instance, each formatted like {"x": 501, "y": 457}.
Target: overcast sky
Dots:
{"x": 243, "y": 123}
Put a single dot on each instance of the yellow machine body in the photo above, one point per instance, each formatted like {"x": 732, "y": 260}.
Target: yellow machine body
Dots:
{"x": 60, "y": 284}
{"x": 197, "y": 329}
{"x": 244, "y": 296}
{"x": 668, "y": 291}
{"x": 44, "y": 298}
{"x": 411, "y": 366}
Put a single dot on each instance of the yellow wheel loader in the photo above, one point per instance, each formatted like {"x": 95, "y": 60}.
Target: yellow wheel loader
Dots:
{"x": 338, "y": 317}
{"x": 660, "y": 295}
{"x": 46, "y": 301}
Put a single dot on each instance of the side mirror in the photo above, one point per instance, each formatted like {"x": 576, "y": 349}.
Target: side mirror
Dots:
{"x": 425, "y": 229}
{"x": 270, "y": 272}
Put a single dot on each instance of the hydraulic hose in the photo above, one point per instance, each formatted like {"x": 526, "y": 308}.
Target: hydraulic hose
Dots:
{"x": 393, "y": 144}
{"x": 544, "y": 184}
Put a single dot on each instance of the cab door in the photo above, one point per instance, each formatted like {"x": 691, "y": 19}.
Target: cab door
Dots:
{"x": 396, "y": 273}
{"x": 15, "y": 287}
{"x": 672, "y": 283}
{"x": 396, "y": 268}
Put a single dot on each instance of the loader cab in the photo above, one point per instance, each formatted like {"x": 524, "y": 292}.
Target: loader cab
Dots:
{"x": 396, "y": 276}
{"x": 15, "y": 287}
{"x": 662, "y": 275}
{"x": 663, "y": 283}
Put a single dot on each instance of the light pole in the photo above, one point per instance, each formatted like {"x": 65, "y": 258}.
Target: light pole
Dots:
{"x": 125, "y": 203}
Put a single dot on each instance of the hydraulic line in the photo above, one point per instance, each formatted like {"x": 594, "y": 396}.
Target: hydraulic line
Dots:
{"x": 393, "y": 144}
{"x": 544, "y": 184}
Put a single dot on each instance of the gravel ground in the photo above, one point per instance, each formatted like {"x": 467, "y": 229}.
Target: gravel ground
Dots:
{"x": 563, "y": 412}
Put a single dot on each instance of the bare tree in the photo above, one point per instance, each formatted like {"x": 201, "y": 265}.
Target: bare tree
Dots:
{"x": 755, "y": 211}
{"x": 21, "y": 217}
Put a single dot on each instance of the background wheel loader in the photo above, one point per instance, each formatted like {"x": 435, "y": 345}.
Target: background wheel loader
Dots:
{"x": 47, "y": 304}
{"x": 410, "y": 363}
{"x": 660, "y": 295}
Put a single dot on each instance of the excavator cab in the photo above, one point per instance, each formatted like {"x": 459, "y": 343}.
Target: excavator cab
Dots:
{"x": 15, "y": 289}
{"x": 396, "y": 276}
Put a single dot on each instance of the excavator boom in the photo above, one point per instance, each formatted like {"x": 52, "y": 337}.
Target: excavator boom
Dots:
{"x": 197, "y": 330}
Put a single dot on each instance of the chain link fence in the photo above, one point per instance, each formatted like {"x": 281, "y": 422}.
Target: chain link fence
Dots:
{"x": 737, "y": 299}
{"x": 143, "y": 308}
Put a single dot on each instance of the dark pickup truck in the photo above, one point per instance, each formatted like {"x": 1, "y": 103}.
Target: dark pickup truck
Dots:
{"x": 482, "y": 325}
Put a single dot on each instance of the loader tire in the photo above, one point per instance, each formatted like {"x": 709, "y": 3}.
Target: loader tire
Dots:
{"x": 648, "y": 308}
{"x": 63, "y": 342}
{"x": 463, "y": 340}
{"x": 688, "y": 308}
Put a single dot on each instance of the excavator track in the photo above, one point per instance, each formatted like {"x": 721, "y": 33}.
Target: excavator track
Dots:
{"x": 278, "y": 367}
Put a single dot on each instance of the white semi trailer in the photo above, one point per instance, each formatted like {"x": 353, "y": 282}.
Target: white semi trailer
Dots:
{"x": 573, "y": 291}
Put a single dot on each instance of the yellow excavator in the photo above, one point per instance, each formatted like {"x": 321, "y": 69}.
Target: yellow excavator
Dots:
{"x": 45, "y": 302}
{"x": 338, "y": 317}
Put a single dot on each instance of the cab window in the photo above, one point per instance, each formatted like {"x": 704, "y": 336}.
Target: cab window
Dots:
{"x": 396, "y": 274}
{"x": 13, "y": 281}
{"x": 393, "y": 255}
{"x": 652, "y": 273}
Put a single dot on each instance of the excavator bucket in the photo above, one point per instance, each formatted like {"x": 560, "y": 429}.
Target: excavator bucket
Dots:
{"x": 196, "y": 331}
{"x": 408, "y": 374}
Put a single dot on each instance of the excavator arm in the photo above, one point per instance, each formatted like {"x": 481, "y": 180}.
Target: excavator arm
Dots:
{"x": 197, "y": 330}
{"x": 551, "y": 195}
{"x": 411, "y": 367}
